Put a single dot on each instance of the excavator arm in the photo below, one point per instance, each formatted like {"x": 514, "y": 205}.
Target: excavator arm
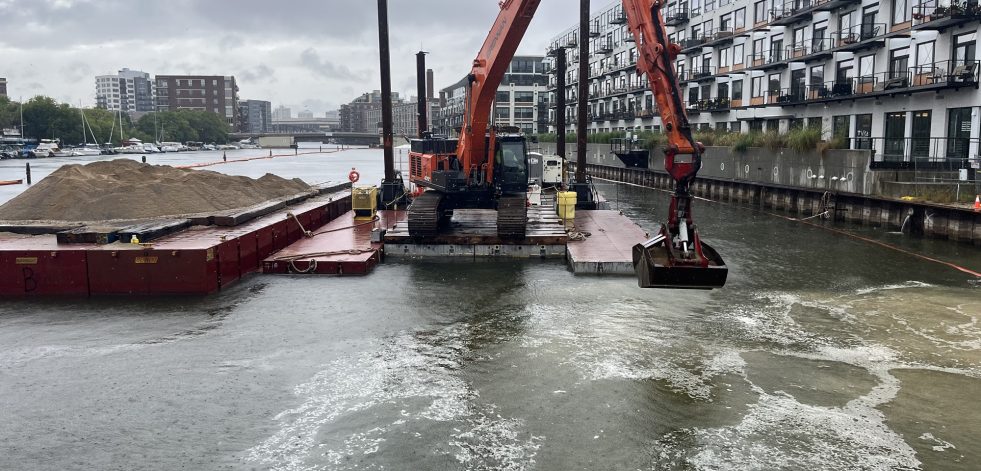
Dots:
{"x": 676, "y": 258}
{"x": 485, "y": 77}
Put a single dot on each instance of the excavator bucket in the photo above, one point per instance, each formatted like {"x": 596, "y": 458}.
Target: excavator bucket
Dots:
{"x": 657, "y": 267}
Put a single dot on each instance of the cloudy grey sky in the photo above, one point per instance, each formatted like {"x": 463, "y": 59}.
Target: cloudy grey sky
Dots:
{"x": 313, "y": 54}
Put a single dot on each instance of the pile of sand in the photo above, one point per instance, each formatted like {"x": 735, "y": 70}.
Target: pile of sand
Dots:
{"x": 126, "y": 189}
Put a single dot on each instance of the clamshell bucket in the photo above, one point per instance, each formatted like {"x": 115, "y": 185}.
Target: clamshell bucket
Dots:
{"x": 657, "y": 267}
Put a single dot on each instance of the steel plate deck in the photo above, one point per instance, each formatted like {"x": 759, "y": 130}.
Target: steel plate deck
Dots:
{"x": 470, "y": 227}
{"x": 343, "y": 247}
{"x": 609, "y": 248}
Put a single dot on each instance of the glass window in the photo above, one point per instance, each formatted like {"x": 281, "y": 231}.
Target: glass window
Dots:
{"x": 774, "y": 83}
{"x": 738, "y": 54}
{"x": 894, "y": 148}
{"x": 737, "y": 89}
{"x": 725, "y": 22}
{"x": 924, "y": 54}
{"x": 739, "y": 18}
{"x": 901, "y": 12}
{"x": 898, "y": 62}
{"x": 920, "y": 142}
{"x": 965, "y": 48}
{"x": 759, "y": 12}
{"x": 866, "y": 65}
{"x": 817, "y": 75}
{"x": 524, "y": 97}
{"x": 863, "y": 131}
{"x": 958, "y": 133}
{"x": 840, "y": 126}
{"x": 757, "y": 87}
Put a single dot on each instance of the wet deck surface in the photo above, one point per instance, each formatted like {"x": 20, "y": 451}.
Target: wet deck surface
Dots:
{"x": 473, "y": 233}
{"x": 608, "y": 249}
{"x": 342, "y": 247}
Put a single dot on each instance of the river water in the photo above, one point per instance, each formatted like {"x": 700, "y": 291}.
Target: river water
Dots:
{"x": 822, "y": 352}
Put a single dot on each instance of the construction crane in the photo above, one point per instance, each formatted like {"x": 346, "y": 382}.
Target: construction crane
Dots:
{"x": 487, "y": 166}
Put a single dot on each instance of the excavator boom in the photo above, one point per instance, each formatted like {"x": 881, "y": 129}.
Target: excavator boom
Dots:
{"x": 676, "y": 257}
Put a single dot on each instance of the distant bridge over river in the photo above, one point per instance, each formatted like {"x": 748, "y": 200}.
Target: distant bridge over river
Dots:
{"x": 349, "y": 138}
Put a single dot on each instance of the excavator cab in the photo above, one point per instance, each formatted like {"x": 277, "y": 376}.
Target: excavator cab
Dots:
{"x": 511, "y": 164}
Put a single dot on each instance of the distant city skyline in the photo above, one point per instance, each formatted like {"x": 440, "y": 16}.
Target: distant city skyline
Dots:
{"x": 308, "y": 56}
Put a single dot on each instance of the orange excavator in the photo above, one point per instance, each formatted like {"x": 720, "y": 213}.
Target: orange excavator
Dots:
{"x": 487, "y": 166}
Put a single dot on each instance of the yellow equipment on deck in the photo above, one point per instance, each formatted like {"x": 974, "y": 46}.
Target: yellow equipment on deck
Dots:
{"x": 364, "y": 202}
{"x": 566, "y": 205}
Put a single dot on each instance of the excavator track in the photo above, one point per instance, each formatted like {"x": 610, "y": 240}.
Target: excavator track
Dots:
{"x": 425, "y": 214}
{"x": 512, "y": 217}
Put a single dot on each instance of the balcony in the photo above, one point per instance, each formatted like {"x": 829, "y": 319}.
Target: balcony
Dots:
{"x": 786, "y": 96}
{"x": 676, "y": 16}
{"x": 699, "y": 74}
{"x": 860, "y": 37}
{"x": 773, "y": 59}
{"x": 815, "y": 49}
{"x": 932, "y": 15}
{"x": 797, "y": 11}
{"x": 692, "y": 44}
{"x": 594, "y": 29}
{"x": 604, "y": 47}
{"x": 619, "y": 18}
{"x": 719, "y": 37}
{"x": 931, "y": 77}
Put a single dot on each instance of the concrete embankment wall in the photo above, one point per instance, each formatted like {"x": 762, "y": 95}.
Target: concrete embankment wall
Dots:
{"x": 790, "y": 182}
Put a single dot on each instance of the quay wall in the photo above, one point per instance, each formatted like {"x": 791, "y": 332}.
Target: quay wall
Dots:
{"x": 785, "y": 181}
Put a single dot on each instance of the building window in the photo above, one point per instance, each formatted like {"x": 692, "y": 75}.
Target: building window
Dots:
{"x": 894, "y": 148}
{"x": 503, "y": 97}
{"x": 920, "y": 142}
{"x": 901, "y": 12}
{"x": 756, "y": 87}
{"x": 738, "y": 54}
{"x": 863, "y": 131}
{"x": 841, "y": 127}
{"x": 739, "y": 18}
{"x": 524, "y": 97}
{"x": 814, "y": 123}
{"x": 773, "y": 86}
{"x": 958, "y": 133}
{"x": 965, "y": 48}
{"x": 737, "y": 90}
{"x": 725, "y": 22}
{"x": 899, "y": 63}
{"x": 759, "y": 12}
{"x": 503, "y": 113}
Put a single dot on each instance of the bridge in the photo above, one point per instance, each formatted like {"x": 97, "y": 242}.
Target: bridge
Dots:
{"x": 348, "y": 138}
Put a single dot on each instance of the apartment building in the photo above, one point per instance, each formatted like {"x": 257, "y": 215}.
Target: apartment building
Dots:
{"x": 899, "y": 77}
{"x": 129, "y": 90}
{"x": 405, "y": 117}
{"x": 619, "y": 99}
{"x": 522, "y": 99}
{"x": 215, "y": 93}
{"x": 255, "y": 116}
{"x": 3, "y": 86}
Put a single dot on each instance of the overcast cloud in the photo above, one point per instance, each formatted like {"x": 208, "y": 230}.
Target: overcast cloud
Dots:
{"x": 313, "y": 54}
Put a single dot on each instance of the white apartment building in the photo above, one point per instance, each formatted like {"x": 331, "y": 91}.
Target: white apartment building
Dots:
{"x": 899, "y": 77}
{"x": 522, "y": 99}
{"x": 129, "y": 90}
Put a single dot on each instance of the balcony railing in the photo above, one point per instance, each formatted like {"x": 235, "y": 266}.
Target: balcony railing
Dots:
{"x": 857, "y": 35}
{"x": 604, "y": 47}
{"x": 936, "y": 14}
{"x": 808, "y": 47}
{"x": 693, "y": 43}
{"x": 920, "y": 153}
{"x": 766, "y": 58}
{"x": 942, "y": 74}
{"x": 676, "y": 16}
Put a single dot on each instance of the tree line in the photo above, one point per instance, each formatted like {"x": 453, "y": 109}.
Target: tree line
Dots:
{"x": 44, "y": 118}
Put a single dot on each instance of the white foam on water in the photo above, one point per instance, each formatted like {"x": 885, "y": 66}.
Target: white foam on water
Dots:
{"x": 492, "y": 442}
{"x": 941, "y": 445}
{"x": 906, "y": 285}
{"x": 415, "y": 371}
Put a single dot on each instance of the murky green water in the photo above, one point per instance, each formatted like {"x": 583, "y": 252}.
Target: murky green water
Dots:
{"x": 821, "y": 353}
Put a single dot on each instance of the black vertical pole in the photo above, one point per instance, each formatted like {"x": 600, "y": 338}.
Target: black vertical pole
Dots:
{"x": 28, "y": 173}
{"x": 583, "y": 90}
{"x": 560, "y": 71}
{"x": 421, "y": 92}
{"x": 386, "y": 85}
